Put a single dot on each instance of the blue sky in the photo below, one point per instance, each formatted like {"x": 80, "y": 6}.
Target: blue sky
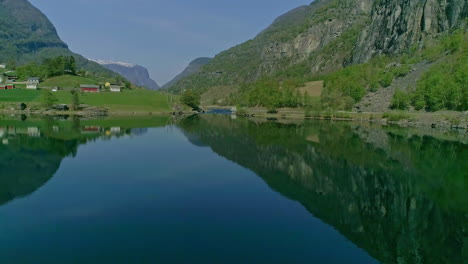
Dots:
{"x": 162, "y": 35}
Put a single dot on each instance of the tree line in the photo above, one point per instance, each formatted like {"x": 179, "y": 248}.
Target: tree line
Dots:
{"x": 58, "y": 66}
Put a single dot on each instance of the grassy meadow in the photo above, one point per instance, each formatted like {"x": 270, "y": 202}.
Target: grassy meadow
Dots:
{"x": 126, "y": 101}
{"x": 67, "y": 81}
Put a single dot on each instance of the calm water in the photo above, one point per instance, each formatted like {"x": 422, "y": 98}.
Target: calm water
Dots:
{"x": 212, "y": 189}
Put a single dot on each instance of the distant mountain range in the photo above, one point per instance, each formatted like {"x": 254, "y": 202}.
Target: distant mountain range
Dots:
{"x": 27, "y": 35}
{"x": 136, "y": 74}
{"x": 191, "y": 69}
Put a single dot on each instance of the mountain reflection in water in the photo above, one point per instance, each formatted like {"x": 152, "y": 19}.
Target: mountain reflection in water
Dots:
{"x": 401, "y": 197}
{"x": 31, "y": 151}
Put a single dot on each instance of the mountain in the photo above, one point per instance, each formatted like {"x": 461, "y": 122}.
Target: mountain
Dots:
{"x": 390, "y": 209}
{"x": 326, "y": 36}
{"x": 136, "y": 74}
{"x": 192, "y": 68}
{"x": 27, "y": 35}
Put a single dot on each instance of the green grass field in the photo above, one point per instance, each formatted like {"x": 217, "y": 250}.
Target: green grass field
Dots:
{"x": 127, "y": 101}
{"x": 19, "y": 96}
{"x": 67, "y": 81}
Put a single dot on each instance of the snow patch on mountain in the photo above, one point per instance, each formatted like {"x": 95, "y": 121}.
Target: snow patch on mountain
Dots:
{"x": 109, "y": 62}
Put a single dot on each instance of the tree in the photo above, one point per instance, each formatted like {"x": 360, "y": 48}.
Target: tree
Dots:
{"x": 75, "y": 100}
{"x": 48, "y": 99}
{"x": 72, "y": 65}
{"x": 191, "y": 99}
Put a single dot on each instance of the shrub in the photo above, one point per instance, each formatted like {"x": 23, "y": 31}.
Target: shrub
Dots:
{"x": 397, "y": 116}
{"x": 191, "y": 99}
{"x": 386, "y": 79}
{"x": 400, "y": 101}
{"x": 48, "y": 99}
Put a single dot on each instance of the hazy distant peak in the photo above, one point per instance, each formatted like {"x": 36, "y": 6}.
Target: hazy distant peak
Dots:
{"x": 135, "y": 73}
{"x": 109, "y": 62}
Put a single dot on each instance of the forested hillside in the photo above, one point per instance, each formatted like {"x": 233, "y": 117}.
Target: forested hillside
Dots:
{"x": 27, "y": 35}
{"x": 358, "y": 47}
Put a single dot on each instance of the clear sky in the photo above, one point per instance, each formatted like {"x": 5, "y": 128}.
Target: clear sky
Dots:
{"x": 162, "y": 35}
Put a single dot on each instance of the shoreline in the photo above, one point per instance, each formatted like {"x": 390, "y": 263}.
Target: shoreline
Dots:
{"x": 447, "y": 120}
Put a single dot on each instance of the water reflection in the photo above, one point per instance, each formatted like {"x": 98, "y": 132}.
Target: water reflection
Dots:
{"x": 32, "y": 150}
{"x": 400, "y": 196}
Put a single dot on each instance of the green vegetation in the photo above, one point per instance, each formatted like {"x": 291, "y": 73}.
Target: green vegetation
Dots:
{"x": 51, "y": 67}
{"x": 75, "y": 105}
{"x": 48, "y": 100}
{"x": 445, "y": 85}
{"x": 128, "y": 101}
{"x": 400, "y": 101}
{"x": 268, "y": 93}
{"x": 396, "y": 116}
{"x": 68, "y": 81}
{"x": 28, "y": 36}
{"x": 191, "y": 99}
{"x": 61, "y": 71}
{"x": 19, "y": 96}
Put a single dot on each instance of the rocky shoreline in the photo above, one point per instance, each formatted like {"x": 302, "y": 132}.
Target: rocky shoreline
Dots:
{"x": 446, "y": 120}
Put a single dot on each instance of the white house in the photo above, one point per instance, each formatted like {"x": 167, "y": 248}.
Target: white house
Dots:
{"x": 115, "y": 88}
{"x": 2, "y": 66}
{"x": 32, "y": 83}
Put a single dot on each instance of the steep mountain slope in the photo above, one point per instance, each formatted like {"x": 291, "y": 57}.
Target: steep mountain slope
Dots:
{"x": 326, "y": 28}
{"x": 136, "y": 74}
{"x": 27, "y": 35}
{"x": 329, "y": 35}
{"x": 192, "y": 68}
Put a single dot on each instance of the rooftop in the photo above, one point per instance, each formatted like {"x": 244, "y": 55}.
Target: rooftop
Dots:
{"x": 89, "y": 86}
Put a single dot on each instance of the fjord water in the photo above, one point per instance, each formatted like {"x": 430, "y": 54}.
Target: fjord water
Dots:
{"x": 214, "y": 189}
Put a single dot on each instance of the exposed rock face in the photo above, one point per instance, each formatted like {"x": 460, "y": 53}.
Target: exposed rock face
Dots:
{"x": 136, "y": 74}
{"x": 396, "y": 25}
{"x": 192, "y": 68}
{"x": 329, "y": 22}
{"x": 328, "y": 35}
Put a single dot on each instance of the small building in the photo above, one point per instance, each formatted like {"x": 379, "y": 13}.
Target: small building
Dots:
{"x": 89, "y": 88}
{"x": 10, "y": 86}
{"x": 2, "y": 86}
{"x": 11, "y": 76}
{"x": 2, "y": 65}
{"x": 61, "y": 107}
{"x": 91, "y": 130}
{"x": 32, "y": 83}
{"x": 116, "y": 88}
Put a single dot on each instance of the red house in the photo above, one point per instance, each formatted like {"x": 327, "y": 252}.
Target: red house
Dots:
{"x": 2, "y": 87}
{"x": 10, "y": 86}
{"x": 89, "y": 88}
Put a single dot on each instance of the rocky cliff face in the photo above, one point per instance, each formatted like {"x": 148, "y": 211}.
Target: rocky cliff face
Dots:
{"x": 327, "y": 21}
{"x": 331, "y": 34}
{"x": 192, "y": 68}
{"x": 136, "y": 74}
{"x": 397, "y": 25}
